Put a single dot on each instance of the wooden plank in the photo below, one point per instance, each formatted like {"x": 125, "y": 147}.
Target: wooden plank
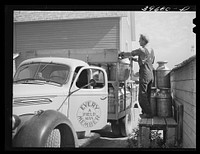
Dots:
{"x": 188, "y": 143}
{"x": 189, "y": 135}
{"x": 171, "y": 122}
{"x": 149, "y": 122}
{"x": 158, "y": 121}
{"x": 178, "y": 116}
{"x": 87, "y": 55}
{"x": 186, "y": 85}
{"x": 143, "y": 122}
{"x": 190, "y": 109}
{"x": 95, "y": 55}
{"x": 190, "y": 121}
{"x": 171, "y": 126}
{"x": 186, "y": 96}
{"x": 188, "y": 71}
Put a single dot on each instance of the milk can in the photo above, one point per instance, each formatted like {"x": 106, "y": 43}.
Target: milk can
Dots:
{"x": 120, "y": 100}
{"x": 105, "y": 67}
{"x": 162, "y": 75}
{"x": 111, "y": 100}
{"x": 134, "y": 93}
{"x": 164, "y": 102}
{"x": 153, "y": 102}
{"x": 123, "y": 72}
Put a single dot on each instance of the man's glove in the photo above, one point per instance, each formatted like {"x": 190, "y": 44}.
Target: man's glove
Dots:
{"x": 135, "y": 59}
{"x": 121, "y": 55}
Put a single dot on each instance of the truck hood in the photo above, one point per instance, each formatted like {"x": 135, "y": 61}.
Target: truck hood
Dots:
{"x": 31, "y": 90}
{"x": 28, "y": 98}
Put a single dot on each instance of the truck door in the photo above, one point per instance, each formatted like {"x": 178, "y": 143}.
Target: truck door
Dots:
{"x": 88, "y": 105}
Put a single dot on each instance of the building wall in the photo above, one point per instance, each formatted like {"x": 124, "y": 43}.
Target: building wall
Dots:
{"x": 41, "y": 30}
{"x": 27, "y": 16}
{"x": 67, "y": 34}
{"x": 97, "y": 33}
{"x": 125, "y": 34}
{"x": 183, "y": 86}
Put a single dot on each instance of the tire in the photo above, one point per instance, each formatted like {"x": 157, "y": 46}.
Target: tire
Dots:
{"x": 126, "y": 124}
{"x": 54, "y": 139}
{"x": 115, "y": 128}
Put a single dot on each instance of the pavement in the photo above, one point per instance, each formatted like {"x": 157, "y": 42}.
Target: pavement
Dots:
{"x": 105, "y": 137}
{"x": 90, "y": 137}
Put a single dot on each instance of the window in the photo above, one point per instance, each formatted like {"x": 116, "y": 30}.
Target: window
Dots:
{"x": 83, "y": 79}
{"x": 43, "y": 71}
{"x": 88, "y": 74}
{"x": 58, "y": 76}
{"x": 98, "y": 75}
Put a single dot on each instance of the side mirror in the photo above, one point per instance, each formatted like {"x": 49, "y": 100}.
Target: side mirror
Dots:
{"x": 92, "y": 82}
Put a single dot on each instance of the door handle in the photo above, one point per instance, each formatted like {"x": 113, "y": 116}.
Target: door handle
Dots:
{"x": 103, "y": 98}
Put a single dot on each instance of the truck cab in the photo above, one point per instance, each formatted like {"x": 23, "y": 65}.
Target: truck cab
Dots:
{"x": 54, "y": 96}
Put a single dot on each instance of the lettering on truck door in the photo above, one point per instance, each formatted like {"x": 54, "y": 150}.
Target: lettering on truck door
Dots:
{"x": 88, "y": 106}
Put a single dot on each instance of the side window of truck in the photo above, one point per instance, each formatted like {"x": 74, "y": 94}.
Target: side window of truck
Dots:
{"x": 83, "y": 79}
{"x": 88, "y": 74}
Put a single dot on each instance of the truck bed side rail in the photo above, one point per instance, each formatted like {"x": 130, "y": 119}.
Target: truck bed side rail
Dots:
{"x": 87, "y": 55}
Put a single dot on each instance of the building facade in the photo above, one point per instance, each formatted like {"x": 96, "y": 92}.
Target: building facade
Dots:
{"x": 183, "y": 86}
{"x": 43, "y": 30}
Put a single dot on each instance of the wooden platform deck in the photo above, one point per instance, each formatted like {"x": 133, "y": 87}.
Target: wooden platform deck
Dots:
{"x": 168, "y": 125}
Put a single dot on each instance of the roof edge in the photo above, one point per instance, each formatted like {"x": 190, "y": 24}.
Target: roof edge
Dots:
{"x": 28, "y": 16}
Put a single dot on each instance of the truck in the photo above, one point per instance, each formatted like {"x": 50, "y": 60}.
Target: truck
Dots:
{"x": 58, "y": 95}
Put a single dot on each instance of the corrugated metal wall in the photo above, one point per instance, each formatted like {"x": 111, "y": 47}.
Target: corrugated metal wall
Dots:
{"x": 100, "y": 33}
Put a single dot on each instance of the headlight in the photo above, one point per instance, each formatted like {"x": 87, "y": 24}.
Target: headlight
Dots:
{"x": 15, "y": 121}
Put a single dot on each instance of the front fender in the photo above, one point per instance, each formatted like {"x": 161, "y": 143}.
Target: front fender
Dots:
{"x": 35, "y": 131}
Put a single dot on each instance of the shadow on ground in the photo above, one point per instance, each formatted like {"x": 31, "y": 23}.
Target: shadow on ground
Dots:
{"x": 108, "y": 140}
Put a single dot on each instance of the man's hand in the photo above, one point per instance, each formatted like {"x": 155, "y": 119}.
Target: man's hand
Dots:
{"x": 121, "y": 55}
{"x": 135, "y": 59}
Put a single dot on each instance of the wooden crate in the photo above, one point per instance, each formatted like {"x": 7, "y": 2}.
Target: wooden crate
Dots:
{"x": 168, "y": 125}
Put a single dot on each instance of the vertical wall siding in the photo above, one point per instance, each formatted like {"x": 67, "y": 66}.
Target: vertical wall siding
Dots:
{"x": 126, "y": 44}
{"x": 67, "y": 34}
{"x": 183, "y": 85}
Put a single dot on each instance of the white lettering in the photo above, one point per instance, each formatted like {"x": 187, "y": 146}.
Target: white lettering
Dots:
{"x": 88, "y": 114}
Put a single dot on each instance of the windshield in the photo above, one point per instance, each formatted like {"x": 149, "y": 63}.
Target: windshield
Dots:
{"x": 48, "y": 72}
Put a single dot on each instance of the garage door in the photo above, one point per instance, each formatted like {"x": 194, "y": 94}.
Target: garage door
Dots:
{"x": 67, "y": 34}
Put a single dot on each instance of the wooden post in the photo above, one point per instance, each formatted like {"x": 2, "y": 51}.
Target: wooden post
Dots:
{"x": 144, "y": 133}
{"x": 144, "y": 137}
{"x": 168, "y": 125}
{"x": 170, "y": 132}
{"x": 170, "y": 137}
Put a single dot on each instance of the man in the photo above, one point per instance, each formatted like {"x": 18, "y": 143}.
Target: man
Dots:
{"x": 145, "y": 60}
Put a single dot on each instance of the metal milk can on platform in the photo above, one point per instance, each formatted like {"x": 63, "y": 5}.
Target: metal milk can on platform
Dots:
{"x": 162, "y": 75}
{"x": 153, "y": 101}
{"x": 120, "y": 100}
{"x": 164, "y": 102}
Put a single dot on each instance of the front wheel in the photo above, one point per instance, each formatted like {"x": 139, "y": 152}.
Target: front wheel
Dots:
{"x": 54, "y": 139}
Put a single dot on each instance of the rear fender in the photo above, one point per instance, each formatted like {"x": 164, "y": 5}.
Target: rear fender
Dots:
{"x": 35, "y": 131}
